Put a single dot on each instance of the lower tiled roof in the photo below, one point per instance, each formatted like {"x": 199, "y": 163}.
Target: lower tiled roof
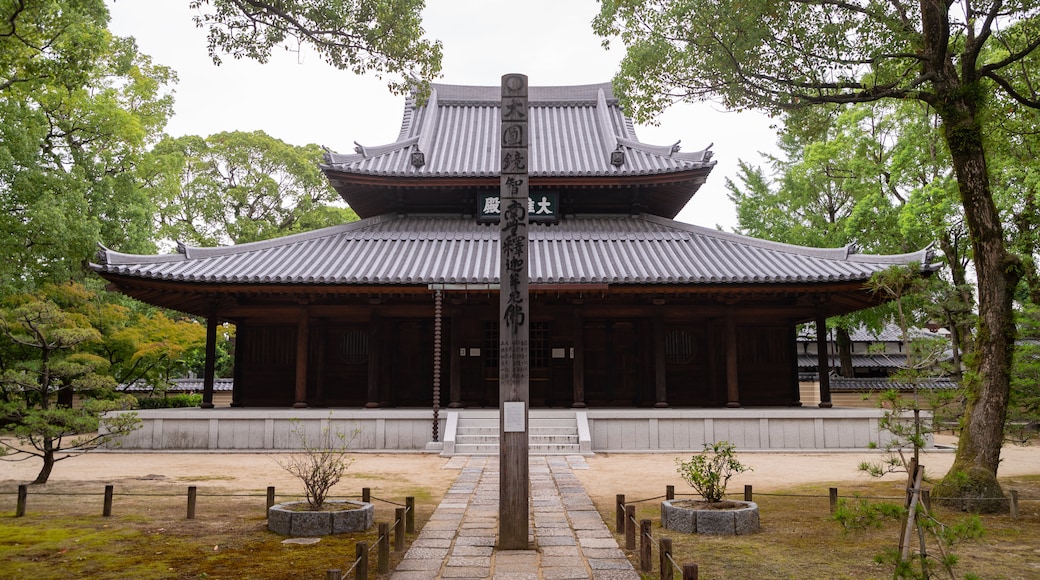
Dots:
{"x": 392, "y": 250}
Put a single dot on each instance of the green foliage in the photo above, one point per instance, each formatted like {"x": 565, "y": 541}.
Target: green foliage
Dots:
{"x": 710, "y": 471}
{"x": 78, "y": 106}
{"x": 321, "y": 462}
{"x": 864, "y": 515}
{"x": 363, "y": 36}
{"x": 47, "y": 363}
{"x": 1023, "y": 418}
{"x": 164, "y": 401}
{"x": 910, "y": 420}
{"x": 233, "y": 188}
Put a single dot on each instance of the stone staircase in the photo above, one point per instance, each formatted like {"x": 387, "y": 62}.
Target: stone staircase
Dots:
{"x": 549, "y": 433}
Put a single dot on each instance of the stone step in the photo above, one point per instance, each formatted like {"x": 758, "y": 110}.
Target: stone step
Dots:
{"x": 540, "y": 431}
{"x": 534, "y": 449}
{"x": 551, "y": 439}
{"x": 533, "y": 438}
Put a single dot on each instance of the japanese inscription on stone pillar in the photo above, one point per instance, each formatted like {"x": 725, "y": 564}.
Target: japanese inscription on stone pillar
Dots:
{"x": 514, "y": 308}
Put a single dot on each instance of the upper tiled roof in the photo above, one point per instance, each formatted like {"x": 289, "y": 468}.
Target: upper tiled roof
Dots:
{"x": 391, "y": 250}
{"x": 573, "y": 131}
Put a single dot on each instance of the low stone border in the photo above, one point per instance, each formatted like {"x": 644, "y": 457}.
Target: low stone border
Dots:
{"x": 718, "y": 522}
{"x": 282, "y": 519}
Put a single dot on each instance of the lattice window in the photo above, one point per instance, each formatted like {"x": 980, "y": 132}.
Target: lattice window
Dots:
{"x": 539, "y": 352}
{"x": 353, "y": 347}
{"x": 679, "y": 347}
{"x": 491, "y": 345}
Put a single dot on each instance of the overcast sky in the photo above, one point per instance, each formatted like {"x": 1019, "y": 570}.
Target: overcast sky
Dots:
{"x": 299, "y": 99}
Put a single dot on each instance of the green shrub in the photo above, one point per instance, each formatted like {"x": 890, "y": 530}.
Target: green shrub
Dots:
{"x": 169, "y": 401}
{"x": 709, "y": 471}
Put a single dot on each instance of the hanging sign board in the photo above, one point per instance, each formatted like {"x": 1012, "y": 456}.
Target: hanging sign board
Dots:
{"x": 541, "y": 207}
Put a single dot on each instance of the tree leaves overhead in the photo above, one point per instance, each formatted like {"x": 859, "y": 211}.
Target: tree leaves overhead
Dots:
{"x": 78, "y": 106}
{"x": 779, "y": 55}
{"x": 237, "y": 187}
{"x": 380, "y": 37}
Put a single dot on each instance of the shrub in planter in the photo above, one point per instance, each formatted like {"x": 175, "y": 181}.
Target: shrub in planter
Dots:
{"x": 708, "y": 473}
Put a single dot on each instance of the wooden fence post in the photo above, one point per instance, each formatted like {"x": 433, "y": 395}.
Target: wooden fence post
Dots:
{"x": 366, "y": 494}
{"x": 645, "y": 549}
{"x": 399, "y": 530}
{"x": 926, "y": 499}
{"x": 384, "y": 548}
{"x": 334, "y": 574}
{"x": 748, "y": 493}
{"x": 270, "y": 498}
{"x": 630, "y": 527}
{"x": 409, "y": 516}
{"x": 669, "y": 492}
{"x": 619, "y": 509}
{"x": 106, "y": 511}
{"x": 666, "y": 563}
{"x": 23, "y": 498}
{"x": 361, "y": 571}
{"x": 192, "y": 494}
{"x": 834, "y": 499}
{"x": 1014, "y": 504}
{"x": 689, "y": 572}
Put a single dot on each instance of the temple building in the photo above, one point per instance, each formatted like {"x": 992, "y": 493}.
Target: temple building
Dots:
{"x": 629, "y": 308}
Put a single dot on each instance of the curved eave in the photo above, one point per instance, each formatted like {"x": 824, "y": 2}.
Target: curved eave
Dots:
{"x": 372, "y": 195}
{"x": 345, "y": 177}
{"x": 802, "y": 301}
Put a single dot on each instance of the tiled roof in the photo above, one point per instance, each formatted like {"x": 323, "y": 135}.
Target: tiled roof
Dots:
{"x": 883, "y": 384}
{"x": 573, "y": 131}
{"x": 392, "y": 250}
{"x": 859, "y": 361}
{"x": 182, "y": 386}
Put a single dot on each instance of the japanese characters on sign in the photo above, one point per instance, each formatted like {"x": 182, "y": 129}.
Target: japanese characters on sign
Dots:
{"x": 541, "y": 207}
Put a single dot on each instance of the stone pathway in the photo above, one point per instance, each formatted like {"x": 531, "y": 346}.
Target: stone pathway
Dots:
{"x": 568, "y": 537}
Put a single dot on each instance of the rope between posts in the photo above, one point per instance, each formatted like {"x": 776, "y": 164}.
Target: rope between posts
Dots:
{"x": 674, "y": 563}
{"x": 352, "y": 566}
{"x": 647, "y": 499}
{"x": 388, "y": 501}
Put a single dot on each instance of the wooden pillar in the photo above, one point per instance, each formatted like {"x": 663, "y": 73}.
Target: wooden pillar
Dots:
{"x": 302, "y": 339}
{"x": 579, "y": 360}
{"x": 514, "y": 319}
{"x": 241, "y": 340}
{"x": 455, "y": 390}
{"x": 209, "y": 370}
{"x": 796, "y": 391}
{"x": 823, "y": 360}
{"x": 321, "y": 331}
{"x": 732, "y": 367}
{"x": 660, "y": 363}
{"x": 375, "y": 349}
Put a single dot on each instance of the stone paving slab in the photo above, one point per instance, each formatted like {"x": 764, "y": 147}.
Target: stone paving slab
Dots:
{"x": 571, "y": 539}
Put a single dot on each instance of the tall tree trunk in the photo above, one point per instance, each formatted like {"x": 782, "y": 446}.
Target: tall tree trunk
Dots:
{"x": 971, "y": 482}
{"x": 844, "y": 342}
{"x": 48, "y": 461}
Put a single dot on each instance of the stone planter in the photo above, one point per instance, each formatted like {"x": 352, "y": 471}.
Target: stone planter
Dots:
{"x": 678, "y": 515}
{"x": 288, "y": 519}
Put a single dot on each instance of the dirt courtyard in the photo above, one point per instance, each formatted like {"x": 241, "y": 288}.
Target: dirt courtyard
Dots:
{"x": 608, "y": 474}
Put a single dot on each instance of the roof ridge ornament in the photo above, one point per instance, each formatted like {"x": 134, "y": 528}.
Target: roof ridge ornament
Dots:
{"x": 606, "y": 128}
{"x": 617, "y": 156}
